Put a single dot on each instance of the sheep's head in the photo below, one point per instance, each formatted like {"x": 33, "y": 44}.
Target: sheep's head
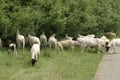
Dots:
{"x": 107, "y": 48}
{"x": 53, "y": 35}
{"x": 33, "y": 62}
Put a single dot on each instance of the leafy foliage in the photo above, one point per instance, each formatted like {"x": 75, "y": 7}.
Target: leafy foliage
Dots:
{"x": 59, "y": 16}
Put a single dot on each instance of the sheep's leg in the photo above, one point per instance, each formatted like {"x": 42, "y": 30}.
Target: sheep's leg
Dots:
{"x": 83, "y": 47}
{"x": 23, "y": 44}
{"x": 99, "y": 49}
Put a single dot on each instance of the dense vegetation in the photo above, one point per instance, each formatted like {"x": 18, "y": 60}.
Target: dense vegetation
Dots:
{"x": 59, "y": 16}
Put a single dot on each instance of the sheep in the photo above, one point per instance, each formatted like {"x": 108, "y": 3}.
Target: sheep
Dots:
{"x": 33, "y": 39}
{"x": 20, "y": 40}
{"x": 90, "y": 42}
{"x": 43, "y": 40}
{"x": 110, "y": 35}
{"x": 35, "y": 52}
{"x": 104, "y": 41}
{"x": 68, "y": 37}
{"x": 0, "y": 43}
{"x": 12, "y": 47}
{"x": 114, "y": 43}
{"x": 65, "y": 44}
{"x": 52, "y": 41}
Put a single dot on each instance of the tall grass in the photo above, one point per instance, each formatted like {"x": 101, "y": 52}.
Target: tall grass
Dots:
{"x": 52, "y": 65}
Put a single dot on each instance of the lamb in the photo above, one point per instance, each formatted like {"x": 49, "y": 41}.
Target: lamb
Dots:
{"x": 12, "y": 47}
{"x": 65, "y": 44}
{"x": 43, "y": 40}
{"x": 52, "y": 41}
{"x": 35, "y": 52}
{"x": 114, "y": 43}
{"x": 33, "y": 39}
{"x": 20, "y": 40}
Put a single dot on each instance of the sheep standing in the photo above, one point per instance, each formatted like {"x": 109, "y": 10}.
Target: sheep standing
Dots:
{"x": 20, "y": 40}
{"x": 65, "y": 44}
{"x": 90, "y": 42}
{"x": 114, "y": 43}
{"x": 52, "y": 41}
{"x": 43, "y": 40}
{"x": 35, "y": 51}
{"x": 33, "y": 39}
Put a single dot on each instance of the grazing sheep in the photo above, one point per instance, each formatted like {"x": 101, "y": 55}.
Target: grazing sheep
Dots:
{"x": 20, "y": 40}
{"x": 33, "y": 39}
{"x": 43, "y": 40}
{"x": 0, "y": 43}
{"x": 66, "y": 44}
{"x": 68, "y": 37}
{"x": 52, "y": 41}
{"x": 35, "y": 51}
{"x": 106, "y": 41}
{"x": 110, "y": 35}
{"x": 113, "y": 45}
{"x": 12, "y": 47}
{"x": 90, "y": 42}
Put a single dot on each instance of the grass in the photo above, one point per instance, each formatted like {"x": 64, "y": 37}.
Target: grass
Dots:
{"x": 52, "y": 65}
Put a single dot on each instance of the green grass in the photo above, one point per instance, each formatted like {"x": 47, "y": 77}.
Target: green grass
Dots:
{"x": 52, "y": 65}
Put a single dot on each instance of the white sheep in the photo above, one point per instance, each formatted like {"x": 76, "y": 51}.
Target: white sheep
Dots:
{"x": 33, "y": 39}
{"x": 20, "y": 40}
{"x": 105, "y": 40}
{"x": 90, "y": 42}
{"x": 12, "y": 47}
{"x": 35, "y": 52}
{"x": 43, "y": 40}
{"x": 52, "y": 41}
{"x": 113, "y": 45}
{"x": 65, "y": 44}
